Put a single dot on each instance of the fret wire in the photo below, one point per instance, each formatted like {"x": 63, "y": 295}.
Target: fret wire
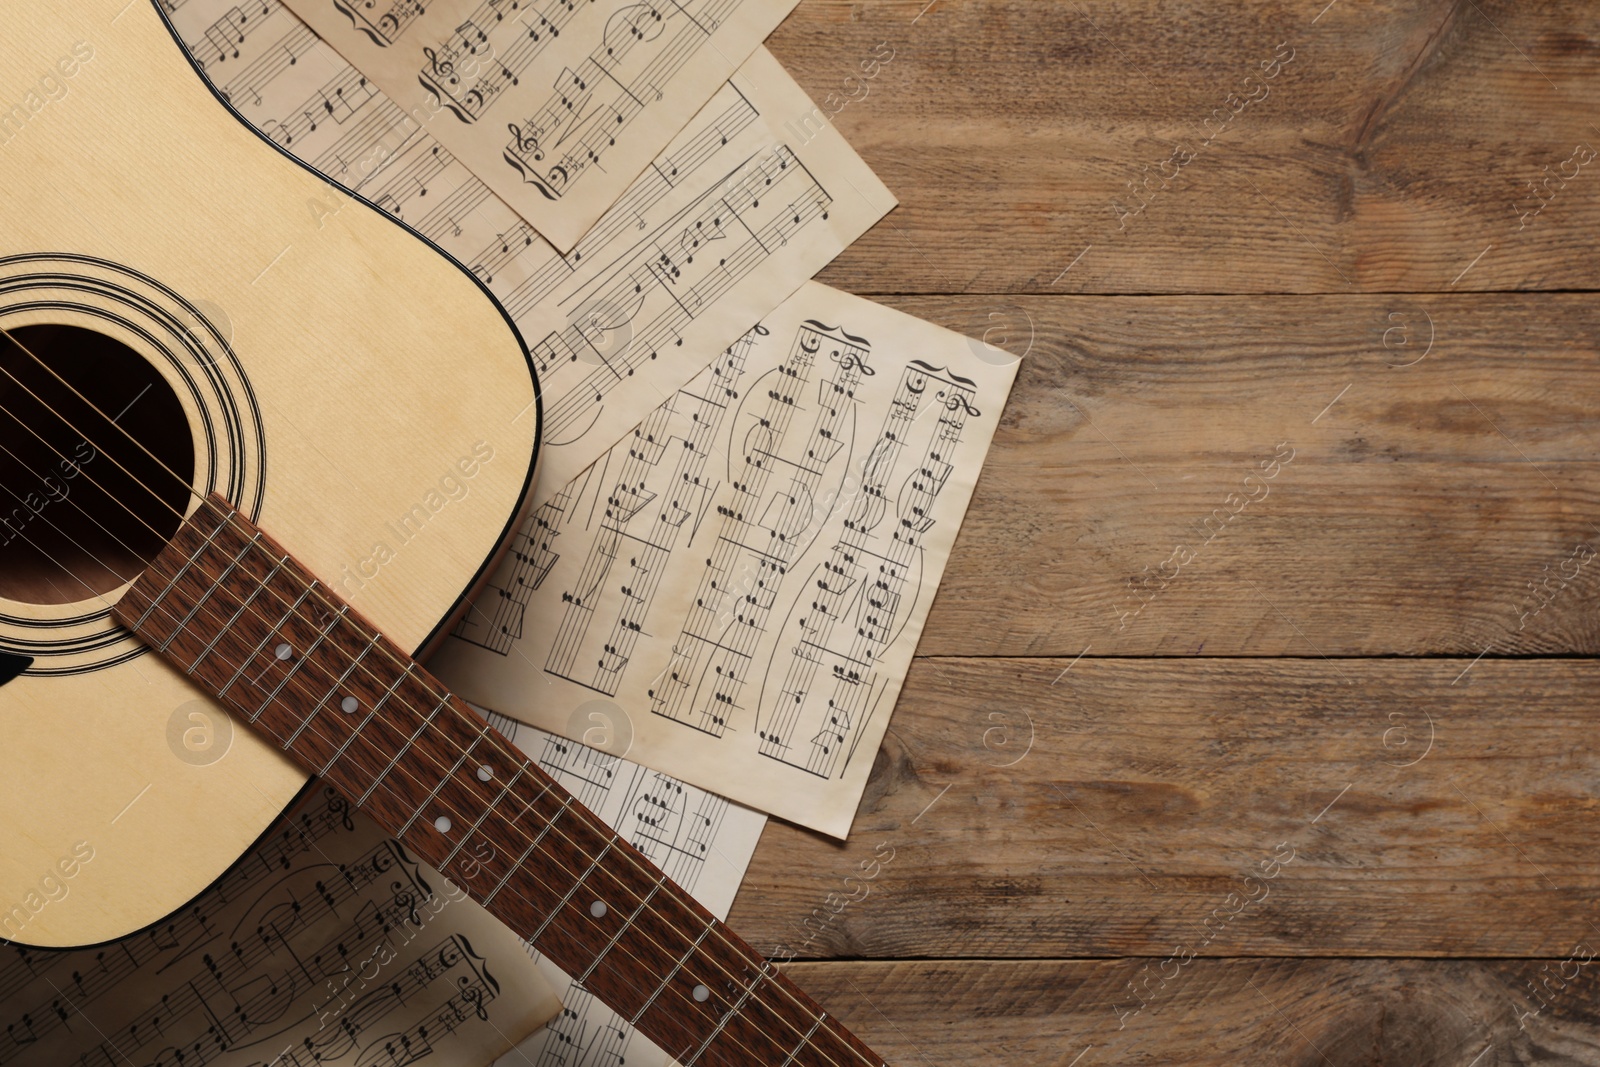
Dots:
{"x": 223, "y": 692}
{"x": 709, "y": 928}
{"x": 215, "y": 585}
{"x": 595, "y": 863}
{"x": 334, "y": 689}
{"x": 486, "y": 811}
{"x": 310, "y": 590}
{"x": 176, "y": 578}
{"x": 434, "y": 714}
{"x": 450, "y": 774}
{"x": 627, "y": 924}
{"x": 517, "y": 866}
{"x": 304, "y": 658}
{"x": 673, "y": 973}
{"x": 573, "y": 891}
{"x": 373, "y": 714}
{"x": 788, "y": 994}
{"x": 228, "y": 626}
{"x": 766, "y": 972}
{"x": 804, "y": 1041}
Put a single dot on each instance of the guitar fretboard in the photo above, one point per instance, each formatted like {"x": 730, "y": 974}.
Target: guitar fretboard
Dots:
{"x": 231, "y": 609}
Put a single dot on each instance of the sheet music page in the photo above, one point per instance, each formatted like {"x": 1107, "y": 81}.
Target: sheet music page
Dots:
{"x": 741, "y": 581}
{"x": 701, "y": 840}
{"x": 638, "y": 307}
{"x": 558, "y": 105}
{"x": 328, "y": 944}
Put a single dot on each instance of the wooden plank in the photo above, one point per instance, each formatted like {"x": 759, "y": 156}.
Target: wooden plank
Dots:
{"x": 1413, "y": 807}
{"x": 1393, "y": 150}
{"x": 1220, "y": 1013}
{"x": 1427, "y": 509}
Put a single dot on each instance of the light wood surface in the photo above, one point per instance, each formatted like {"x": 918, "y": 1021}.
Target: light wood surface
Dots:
{"x": 1376, "y": 189}
{"x": 376, "y": 368}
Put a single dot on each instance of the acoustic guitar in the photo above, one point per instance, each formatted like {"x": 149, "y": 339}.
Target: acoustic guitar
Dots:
{"x": 258, "y": 445}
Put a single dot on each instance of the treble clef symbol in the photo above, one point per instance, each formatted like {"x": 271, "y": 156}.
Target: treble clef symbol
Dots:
{"x": 406, "y": 901}
{"x": 441, "y": 67}
{"x": 340, "y": 807}
{"x": 853, "y": 361}
{"x": 473, "y": 995}
{"x": 525, "y": 145}
{"x": 960, "y": 401}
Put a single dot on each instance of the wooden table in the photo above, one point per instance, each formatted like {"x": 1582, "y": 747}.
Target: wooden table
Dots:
{"x": 1254, "y": 721}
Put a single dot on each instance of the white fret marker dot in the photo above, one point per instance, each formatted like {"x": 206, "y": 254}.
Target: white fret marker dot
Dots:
{"x": 702, "y": 994}
{"x": 283, "y": 651}
{"x": 349, "y": 705}
{"x": 485, "y": 773}
{"x": 598, "y": 909}
{"x": 442, "y": 824}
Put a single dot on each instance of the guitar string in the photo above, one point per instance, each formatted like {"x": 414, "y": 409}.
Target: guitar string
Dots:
{"x": 496, "y": 739}
{"x": 651, "y": 995}
{"x": 488, "y": 732}
{"x": 63, "y": 568}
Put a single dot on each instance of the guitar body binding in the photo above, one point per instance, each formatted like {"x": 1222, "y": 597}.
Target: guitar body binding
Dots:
{"x": 342, "y": 382}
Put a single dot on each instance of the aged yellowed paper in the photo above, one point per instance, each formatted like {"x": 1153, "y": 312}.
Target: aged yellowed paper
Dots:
{"x": 328, "y": 944}
{"x": 739, "y": 584}
{"x": 754, "y": 197}
{"x": 703, "y": 842}
{"x": 557, "y": 105}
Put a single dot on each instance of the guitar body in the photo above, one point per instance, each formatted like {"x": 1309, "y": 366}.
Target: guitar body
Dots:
{"x": 339, "y": 381}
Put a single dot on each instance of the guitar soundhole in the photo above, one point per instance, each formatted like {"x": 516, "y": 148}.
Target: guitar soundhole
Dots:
{"x": 96, "y": 460}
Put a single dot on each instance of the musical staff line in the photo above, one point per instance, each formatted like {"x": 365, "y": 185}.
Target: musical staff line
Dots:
{"x": 754, "y": 562}
{"x": 558, "y": 106}
{"x": 322, "y": 946}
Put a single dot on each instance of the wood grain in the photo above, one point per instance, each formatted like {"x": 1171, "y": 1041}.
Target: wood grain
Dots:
{"x": 1386, "y": 156}
{"x": 345, "y": 327}
{"x": 1416, "y": 511}
{"x": 1391, "y": 155}
{"x": 1220, "y": 1013}
{"x": 316, "y": 680}
{"x": 1440, "y": 505}
{"x": 1417, "y": 808}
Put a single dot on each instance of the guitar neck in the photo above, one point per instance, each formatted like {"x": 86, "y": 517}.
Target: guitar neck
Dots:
{"x": 232, "y": 610}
